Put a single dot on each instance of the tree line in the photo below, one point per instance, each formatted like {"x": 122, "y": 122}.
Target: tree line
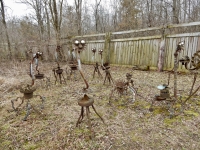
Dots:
{"x": 57, "y": 19}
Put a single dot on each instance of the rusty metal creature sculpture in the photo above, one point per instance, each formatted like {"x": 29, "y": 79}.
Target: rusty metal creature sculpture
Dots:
{"x": 96, "y": 66}
{"x": 86, "y": 102}
{"x": 29, "y": 89}
{"x": 58, "y": 71}
{"x": 121, "y": 87}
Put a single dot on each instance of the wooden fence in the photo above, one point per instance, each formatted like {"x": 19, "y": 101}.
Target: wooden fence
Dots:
{"x": 143, "y": 50}
{"x": 134, "y": 47}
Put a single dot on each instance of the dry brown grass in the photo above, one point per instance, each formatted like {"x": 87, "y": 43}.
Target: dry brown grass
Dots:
{"x": 128, "y": 125}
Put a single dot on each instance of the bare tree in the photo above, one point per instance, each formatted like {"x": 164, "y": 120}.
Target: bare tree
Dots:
{"x": 78, "y": 8}
{"x": 56, "y": 16}
{"x": 96, "y": 15}
{"x": 175, "y": 8}
{"x": 5, "y": 26}
{"x": 38, "y": 7}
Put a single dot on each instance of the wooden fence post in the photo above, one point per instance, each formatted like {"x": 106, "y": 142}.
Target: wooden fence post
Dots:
{"x": 107, "y": 47}
{"x": 161, "y": 52}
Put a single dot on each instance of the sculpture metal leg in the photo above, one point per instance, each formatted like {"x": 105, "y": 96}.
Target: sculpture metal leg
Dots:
{"x": 80, "y": 117}
{"x": 28, "y": 108}
{"x": 13, "y": 105}
{"x": 98, "y": 114}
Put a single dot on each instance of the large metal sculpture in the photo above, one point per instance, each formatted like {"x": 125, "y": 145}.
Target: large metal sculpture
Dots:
{"x": 28, "y": 90}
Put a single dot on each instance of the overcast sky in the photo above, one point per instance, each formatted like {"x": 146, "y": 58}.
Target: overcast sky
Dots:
{"x": 15, "y": 9}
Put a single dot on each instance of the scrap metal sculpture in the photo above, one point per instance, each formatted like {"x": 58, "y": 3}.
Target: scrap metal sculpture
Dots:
{"x": 29, "y": 89}
{"x": 121, "y": 87}
{"x": 86, "y": 102}
{"x": 58, "y": 72}
{"x": 96, "y": 66}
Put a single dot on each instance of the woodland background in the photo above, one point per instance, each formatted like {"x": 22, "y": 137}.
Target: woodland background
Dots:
{"x": 54, "y": 20}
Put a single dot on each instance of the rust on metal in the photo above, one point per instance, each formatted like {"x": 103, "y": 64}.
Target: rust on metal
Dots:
{"x": 121, "y": 87}
{"x": 108, "y": 76}
{"x": 27, "y": 95}
{"x": 96, "y": 65}
{"x": 58, "y": 72}
{"x": 86, "y": 102}
{"x": 79, "y": 47}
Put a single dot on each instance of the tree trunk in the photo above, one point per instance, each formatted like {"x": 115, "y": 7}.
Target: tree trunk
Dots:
{"x": 6, "y": 29}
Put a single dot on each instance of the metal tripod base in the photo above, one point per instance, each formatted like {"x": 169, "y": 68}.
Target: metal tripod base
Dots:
{"x": 28, "y": 105}
{"x": 88, "y": 117}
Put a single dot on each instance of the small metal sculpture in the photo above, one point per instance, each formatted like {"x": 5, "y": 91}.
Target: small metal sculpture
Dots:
{"x": 29, "y": 89}
{"x": 121, "y": 87}
{"x": 96, "y": 66}
{"x": 79, "y": 47}
{"x": 58, "y": 71}
{"x": 86, "y": 102}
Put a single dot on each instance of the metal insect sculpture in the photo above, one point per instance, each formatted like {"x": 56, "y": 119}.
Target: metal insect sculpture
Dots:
{"x": 29, "y": 89}
{"x": 122, "y": 87}
{"x": 96, "y": 66}
{"x": 58, "y": 72}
